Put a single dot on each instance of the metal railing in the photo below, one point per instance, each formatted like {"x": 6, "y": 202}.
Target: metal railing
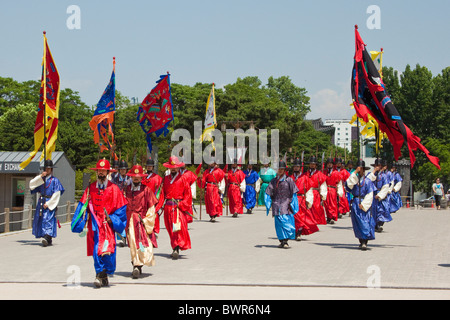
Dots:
{"x": 11, "y": 221}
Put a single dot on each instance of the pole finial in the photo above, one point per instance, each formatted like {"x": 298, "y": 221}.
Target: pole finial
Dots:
{"x": 44, "y": 32}
{"x": 356, "y": 26}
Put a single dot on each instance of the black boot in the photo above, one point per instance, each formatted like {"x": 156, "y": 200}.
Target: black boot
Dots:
{"x": 176, "y": 253}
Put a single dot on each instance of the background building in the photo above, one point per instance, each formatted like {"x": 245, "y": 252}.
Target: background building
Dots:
{"x": 15, "y": 192}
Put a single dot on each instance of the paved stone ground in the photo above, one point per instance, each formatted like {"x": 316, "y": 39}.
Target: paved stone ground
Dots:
{"x": 238, "y": 258}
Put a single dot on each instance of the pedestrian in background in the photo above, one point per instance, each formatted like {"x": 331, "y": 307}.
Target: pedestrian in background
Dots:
{"x": 438, "y": 190}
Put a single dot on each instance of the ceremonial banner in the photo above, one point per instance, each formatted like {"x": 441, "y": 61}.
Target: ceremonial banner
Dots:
{"x": 370, "y": 98}
{"x": 46, "y": 125}
{"x": 103, "y": 118}
{"x": 156, "y": 110}
{"x": 210, "y": 118}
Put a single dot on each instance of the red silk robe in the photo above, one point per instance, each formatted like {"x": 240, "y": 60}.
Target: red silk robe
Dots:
{"x": 333, "y": 178}
{"x": 316, "y": 179}
{"x": 234, "y": 180}
{"x": 190, "y": 178}
{"x": 139, "y": 202}
{"x": 304, "y": 218}
{"x": 153, "y": 181}
{"x": 210, "y": 181}
{"x": 101, "y": 234}
{"x": 344, "y": 206}
{"x": 176, "y": 194}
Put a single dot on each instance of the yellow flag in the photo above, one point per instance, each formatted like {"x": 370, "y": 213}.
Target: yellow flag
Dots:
{"x": 210, "y": 118}
{"x": 46, "y": 125}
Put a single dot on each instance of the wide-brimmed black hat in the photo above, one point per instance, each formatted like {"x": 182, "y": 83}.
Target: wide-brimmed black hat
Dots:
{"x": 362, "y": 164}
{"x": 115, "y": 164}
{"x": 338, "y": 160}
{"x": 123, "y": 165}
{"x": 330, "y": 160}
{"x": 296, "y": 162}
{"x": 48, "y": 164}
{"x": 312, "y": 159}
{"x": 379, "y": 162}
{"x": 150, "y": 162}
{"x": 282, "y": 165}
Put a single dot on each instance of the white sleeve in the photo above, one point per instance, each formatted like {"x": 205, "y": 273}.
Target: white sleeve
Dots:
{"x": 243, "y": 186}
{"x": 52, "y": 203}
{"x": 352, "y": 181}
{"x": 367, "y": 201}
{"x": 398, "y": 186}
{"x": 258, "y": 185}
{"x": 194, "y": 190}
{"x": 372, "y": 176}
{"x": 323, "y": 190}
{"x": 309, "y": 197}
{"x": 383, "y": 192}
{"x": 340, "y": 189}
{"x": 36, "y": 182}
{"x": 222, "y": 186}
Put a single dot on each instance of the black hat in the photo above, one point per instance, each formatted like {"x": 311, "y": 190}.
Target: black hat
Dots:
{"x": 282, "y": 165}
{"x": 123, "y": 165}
{"x": 297, "y": 162}
{"x": 48, "y": 164}
{"x": 312, "y": 159}
{"x": 379, "y": 162}
{"x": 349, "y": 162}
{"x": 330, "y": 160}
{"x": 150, "y": 162}
{"x": 362, "y": 163}
{"x": 115, "y": 164}
{"x": 338, "y": 160}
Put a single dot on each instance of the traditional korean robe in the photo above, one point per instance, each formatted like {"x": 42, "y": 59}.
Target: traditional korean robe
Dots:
{"x": 191, "y": 178}
{"x": 396, "y": 185}
{"x": 140, "y": 222}
{"x": 236, "y": 186}
{"x": 363, "y": 221}
{"x": 212, "y": 179}
{"x": 153, "y": 181}
{"x": 281, "y": 196}
{"x": 251, "y": 178}
{"x": 177, "y": 199}
{"x": 381, "y": 207}
{"x": 333, "y": 181}
{"x": 101, "y": 242}
{"x": 318, "y": 184}
{"x": 45, "y": 222}
{"x": 344, "y": 205}
{"x": 304, "y": 219}
{"x": 266, "y": 175}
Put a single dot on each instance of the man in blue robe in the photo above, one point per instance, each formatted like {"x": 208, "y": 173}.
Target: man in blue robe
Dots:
{"x": 281, "y": 195}
{"x": 49, "y": 190}
{"x": 381, "y": 203}
{"x": 362, "y": 190}
{"x": 251, "y": 177}
{"x": 396, "y": 185}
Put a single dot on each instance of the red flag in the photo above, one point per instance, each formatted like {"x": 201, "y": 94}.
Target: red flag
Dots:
{"x": 370, "y": 97}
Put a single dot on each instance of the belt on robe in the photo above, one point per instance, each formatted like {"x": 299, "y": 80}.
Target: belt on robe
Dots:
{"x": 317, "y": 189}
{"x": 172, "y": 202}
{"x": 233, "y": 183}
{"x": 213, "y": 183}
{"x": 334, "y": 187}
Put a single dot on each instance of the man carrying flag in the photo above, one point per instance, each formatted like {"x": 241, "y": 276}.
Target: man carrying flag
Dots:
{"x": 153, "y": 181}
{"x": 103, "y": 118}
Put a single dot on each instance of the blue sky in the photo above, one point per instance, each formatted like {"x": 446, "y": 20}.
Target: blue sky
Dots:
{"x": 312, "y": 42}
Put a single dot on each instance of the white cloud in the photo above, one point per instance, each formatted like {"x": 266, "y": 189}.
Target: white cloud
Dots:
{"x": 330, "y": 104}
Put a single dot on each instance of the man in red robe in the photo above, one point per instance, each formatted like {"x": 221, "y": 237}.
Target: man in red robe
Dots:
{"x": 106, "y": 214}
{"x": 235, "y": 180}
{"x": 140, "y": 221}
{"x": 344, "y": 206}
{"x": 333, "y": 179}
{"x": 211, "y": 180}
{"x": 191, "y": 178}
{"x": 176, "y": 198}
{"x": 153, "y": 181}
{"x": 304, "y": 219}
{"x": 317, "y": 182}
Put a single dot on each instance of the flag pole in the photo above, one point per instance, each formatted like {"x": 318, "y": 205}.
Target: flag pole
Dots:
{"x": 44, "y": 77}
